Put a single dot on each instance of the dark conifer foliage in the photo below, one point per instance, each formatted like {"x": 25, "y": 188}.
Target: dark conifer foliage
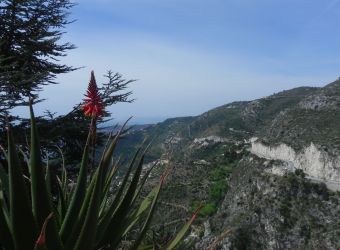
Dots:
{"x": 30, "y": 47}
{"x": 69, "y": 132}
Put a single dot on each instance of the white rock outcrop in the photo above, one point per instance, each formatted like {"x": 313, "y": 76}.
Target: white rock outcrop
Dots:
{"x": 317, "y": 164}
{"x": 206, "y": 141}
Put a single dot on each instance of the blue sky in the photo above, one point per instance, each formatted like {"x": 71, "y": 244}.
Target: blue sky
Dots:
{"x": 192, "y": 55}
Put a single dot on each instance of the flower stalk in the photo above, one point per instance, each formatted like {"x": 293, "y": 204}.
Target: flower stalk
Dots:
{"x": 92, "y": 218}
{"x": 93, "y": 108}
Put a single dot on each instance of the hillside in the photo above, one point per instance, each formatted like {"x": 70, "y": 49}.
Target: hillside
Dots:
{"x": 235, "y": 121}
{"x": 314, "y": 119}
{"x": 266, "y": 171}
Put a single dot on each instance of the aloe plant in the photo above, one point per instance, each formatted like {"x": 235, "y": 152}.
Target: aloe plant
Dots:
{"x": 86, "y": 217}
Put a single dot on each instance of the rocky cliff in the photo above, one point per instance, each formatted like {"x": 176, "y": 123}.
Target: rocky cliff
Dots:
{"x": 316, "y": 163}
{"x": 267, "y": 172}
{"x": 266, "y": 211}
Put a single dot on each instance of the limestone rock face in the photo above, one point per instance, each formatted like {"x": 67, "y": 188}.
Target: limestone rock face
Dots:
{"x": 287, "y": 188}
{"x": 314, "y": 162}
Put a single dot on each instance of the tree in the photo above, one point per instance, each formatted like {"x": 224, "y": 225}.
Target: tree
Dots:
{"x": 30, "y": 47}
{"x": 69, "y": 132}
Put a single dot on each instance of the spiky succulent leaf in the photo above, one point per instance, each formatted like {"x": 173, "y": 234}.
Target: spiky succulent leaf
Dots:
{"x": 48, "y": 178}
{"x": 41, "y": 199}
{"x": 5, "y": 232}
{"x": 22, "y": 223}
{"x": 86, "y": 217}
{"x": 109, "y": 180}
{"x": 180, "y": 235}
{"x": 115, "y": 229}
{"x": 149, "y": 216}
{"x": 106, "y": 218}
{"x": 62, "y": 206}
{"x": 86, "y": 240}
{"x": 4, "y": 180}
{"x": 146, "y": 247}
{"x": 137, "y": 214}
{"x": 80, "y": 217}
{"x": 77, "y": 198}
{"x": 40, "y": 244}
{"x": 143, "y": 181}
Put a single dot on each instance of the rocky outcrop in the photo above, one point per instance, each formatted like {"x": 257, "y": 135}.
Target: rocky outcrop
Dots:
{"x": 314, "y": 162}
{"x": 320, "y": 102}
{"x": 206, "y": 141}
{"x": 271, "y": 212}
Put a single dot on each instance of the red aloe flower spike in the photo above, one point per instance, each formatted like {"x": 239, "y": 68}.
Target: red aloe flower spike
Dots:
{"x": 93, "y": 106}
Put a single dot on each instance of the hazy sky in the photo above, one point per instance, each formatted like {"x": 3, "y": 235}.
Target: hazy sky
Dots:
{"x": 192, "y": 55}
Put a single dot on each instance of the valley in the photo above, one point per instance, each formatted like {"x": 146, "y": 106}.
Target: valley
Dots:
{"x": 266, "y": 172}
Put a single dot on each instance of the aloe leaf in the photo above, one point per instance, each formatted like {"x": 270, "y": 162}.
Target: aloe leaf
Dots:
{"x": 115, "y": 229}
{"x": 61, "y": 200}
{"x": 107, "y": 155}
{"x": 48, "y": 178}
{"x": 21, "y": 218}
{"x": 4, "y": 205}
{"x": 4, "y": 152}
{"x": 106, "y": 160}
{"x": 149, "y": 217}
{"x": 138, "y": 213}
{"x": 64, "y": 186}
{"x": 109, "y": 179}
{"x": 146, "y": 247}
{"x": 105, "y": 220}
{"x": 80, "y": 217}
{"x": 89, "y": 223}
{"x": 64, "y": 182}
{"x": 106, "y": 194}
{"x": 87, "y": 235}
{"x": 40, "y": 244}
{"x": 146, "y": 176}
{"x": 5, "y": 233}
{"x": 4, "y": 180}
{"x": 41, "y": 199}
{"x": 24, "y": 156}
{"x": 77, "y": 198}
{"x": 180, "y": 235}
{"x": 63, "y": 172}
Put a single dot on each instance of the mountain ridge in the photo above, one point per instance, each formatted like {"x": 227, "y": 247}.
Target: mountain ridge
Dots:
{"x": 266, "y": 199}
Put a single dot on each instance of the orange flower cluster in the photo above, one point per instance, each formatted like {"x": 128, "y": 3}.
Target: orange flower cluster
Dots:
{"x": 93, "y": 106}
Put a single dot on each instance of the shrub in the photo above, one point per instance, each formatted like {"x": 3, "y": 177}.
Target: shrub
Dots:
{"x": 208, "y": 209}
{"x": 217, "y": 190}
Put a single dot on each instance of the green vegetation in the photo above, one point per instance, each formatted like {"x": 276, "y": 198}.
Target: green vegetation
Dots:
{"x": 31, "y": 47}
{"x": 208, "y": 209}
{"x": 89, "y": 216}
{"x": 222, "y": 172}
{"x": 217, "y": 188}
